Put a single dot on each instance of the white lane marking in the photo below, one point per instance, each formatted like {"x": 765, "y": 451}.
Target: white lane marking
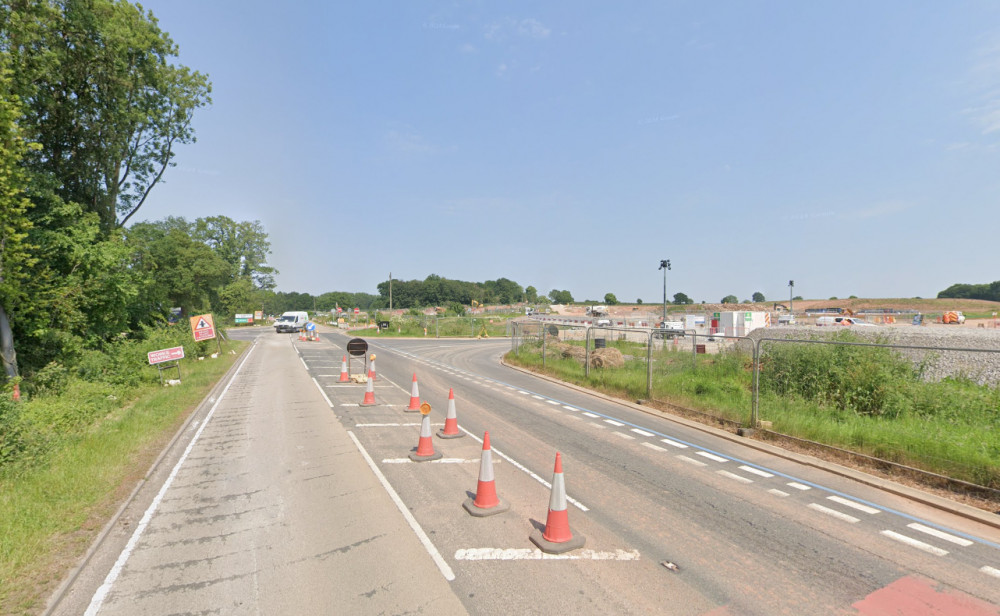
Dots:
{"x": 304, "y": 364}
{"x": 614, "y": 423}
{"x": 388, "y": 425}
{"x": 102, "y": 592}
{"x": 627, "y": 437}
{"x": 537, "y": 397}
{"x": 569, "y": 408}
{"x": 673, "y": 443}
{"x": 520, "y": 391}
{"x": 920, "y": 545}
{"x": 834, "y": 513}
{"x": 527, "y": 471}
{"x": 591, "y": 415}
{"x": 654, "y": 447}
{"x": 438, "y": 461}
{"x": 710, "y": 456}
{"x": 421, "y": 535}
{"x": 990, "y": 571}
{"x": 691, "y": 461}
{"x": 576, "y": 417}
{"x": 849, "y": 503}
{"x": 642, "y": 432}
{"x": 933, "y": 532}
{"x": 798, "y": 486}
{"x": 596, "y": 425}
{"x": 536, "y": 554}
{"x": 755, "y": 471}
{"x": 777, "y": 492}
{"x": 323, "y": 393}
{"x": 739, "y": 478}
{"x": 552, "y": 402}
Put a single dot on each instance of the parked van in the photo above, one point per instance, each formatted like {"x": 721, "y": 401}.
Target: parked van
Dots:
{"x": 291, "y": 321}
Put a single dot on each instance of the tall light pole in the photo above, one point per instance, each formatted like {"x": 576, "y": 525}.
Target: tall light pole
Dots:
{"x": 665, "y": 265}
{"x": 791, "y": 291}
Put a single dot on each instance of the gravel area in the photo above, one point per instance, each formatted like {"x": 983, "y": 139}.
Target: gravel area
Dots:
{"x": 975, "y": 354}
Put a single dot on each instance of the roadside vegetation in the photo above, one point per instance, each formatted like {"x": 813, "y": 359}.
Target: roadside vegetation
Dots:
{"x": 864, "y": 399}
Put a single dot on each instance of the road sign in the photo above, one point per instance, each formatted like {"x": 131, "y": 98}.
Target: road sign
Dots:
{"x": 202, "y": 327}
{"x": 244, "y": 318}
{"x": 357, "y": 347}
{"x": 165, "y": 355}
{"x": 357, "y": 311}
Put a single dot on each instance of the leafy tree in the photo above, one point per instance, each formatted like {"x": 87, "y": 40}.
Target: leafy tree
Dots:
{"x": 243, "y": 245}
{"x": 239, "y": 296}
{"x": 610, "y": 299}
{"x": 531, "y": 294}
{"x": 730, "y": 299}
{"x": 561, "y": 297}
{"x": 101, "y": 98}
{"x": 639, "y": 301}
{"x": 681, "y": 298}
{"x": 797, "y": 298}
{"x": 757, "y": 297}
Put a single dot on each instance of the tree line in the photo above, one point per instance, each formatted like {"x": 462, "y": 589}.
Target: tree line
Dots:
{"x": 988, "y": 291}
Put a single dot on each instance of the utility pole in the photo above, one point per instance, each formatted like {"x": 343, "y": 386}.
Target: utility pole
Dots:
{"x": 665, "y": 265}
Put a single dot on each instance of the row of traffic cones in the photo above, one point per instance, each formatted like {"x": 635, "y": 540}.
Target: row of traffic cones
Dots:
{"x": 308, "y": 336}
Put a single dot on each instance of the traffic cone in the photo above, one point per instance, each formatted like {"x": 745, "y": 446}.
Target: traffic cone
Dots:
{"x": 371, "y": 369}
{"x": 414, "y": 397}
{"x": 302, "y": 335}
{"x": 369, "y": 395}
{"x": 425, "y": 446}
{"x": 344, "y": 376}
{"x": 451, "y": 421}
{"x": 486, "y": 502}
{"x": 557, "y": 537}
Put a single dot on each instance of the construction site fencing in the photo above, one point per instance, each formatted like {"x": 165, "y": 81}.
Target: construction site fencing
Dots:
{"x": 654, "y": 363}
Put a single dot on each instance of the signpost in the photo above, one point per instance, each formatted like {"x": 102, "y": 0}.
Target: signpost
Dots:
{"x": 244, "y": 319}
{"x": 161, "y": 357}
{"x": 203, "y": 328}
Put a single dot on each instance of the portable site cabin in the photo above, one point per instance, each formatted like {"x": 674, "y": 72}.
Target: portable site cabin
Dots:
{"x": 738, "y": 322}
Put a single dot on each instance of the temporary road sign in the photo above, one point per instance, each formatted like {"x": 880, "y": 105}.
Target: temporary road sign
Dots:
{"x": 202, "y": 327}
{"x": 164, "y": 355}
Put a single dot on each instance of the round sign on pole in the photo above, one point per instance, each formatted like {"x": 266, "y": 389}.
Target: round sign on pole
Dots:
{"x": 425, "y": 408}
{"x": 357, "y": 347}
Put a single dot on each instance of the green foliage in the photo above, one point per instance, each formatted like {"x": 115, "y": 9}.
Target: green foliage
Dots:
{"x": 757, "y": 297}
{"x": 730, "y": 299}
{"x": 530, "y": 294}
{"x": 682, "y": 299}
{"x": 561, "y": 297}
{"x": 610, "y": 299}
{"x": 990, "y": 291}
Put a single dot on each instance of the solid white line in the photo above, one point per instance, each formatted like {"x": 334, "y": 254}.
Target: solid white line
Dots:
{"x": 755, "y": 471}
{"x": 920, "y": 545}
{"x": 990, "y": 571}
{"x": 421, "y": 535}
{"x": 933, "y": 532}
{"x": 777, "y": 492}
{"x": 739, "y": 478}
{"x": 642, "y": 432}
{"x": 536, "y": 554}
{"x": 798, "y": 486}
{"x": 691, "y": 461}
{"x": 389, "y": 425}
{"x": 304, "y": 364}
{"x": 323, "y": 393}
{"x": 524, "y": 469}
{"x": 834, "y": 513}
{"x": 653, "y": 447}
{"x": 673, "y": 443}
{"x": 710, "y": 456}
{"x": 438, "y": 461}
{"x": 614, "y": 423}
{"x": 624, "y": 436}
{"x": 849, "y": 503}
{"x": 102, "y": 592}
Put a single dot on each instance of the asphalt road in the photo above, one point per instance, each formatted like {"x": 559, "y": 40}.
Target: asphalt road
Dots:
{"x": 285, "y": 495}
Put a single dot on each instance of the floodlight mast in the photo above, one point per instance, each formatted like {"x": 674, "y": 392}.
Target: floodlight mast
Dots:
{"x": 664, "y": 265}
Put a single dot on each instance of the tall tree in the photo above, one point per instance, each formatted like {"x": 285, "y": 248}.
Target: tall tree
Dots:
{"x": 243, "y": 245}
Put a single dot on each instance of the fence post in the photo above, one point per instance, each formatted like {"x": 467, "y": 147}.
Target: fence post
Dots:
{"x": 755, "y": 405}
{"x": 586, "y": 353}
{"x": 543, "y": 347}
{"x": 649, "y": 365}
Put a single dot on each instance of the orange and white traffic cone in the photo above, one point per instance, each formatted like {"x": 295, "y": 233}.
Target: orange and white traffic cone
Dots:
{"x": 557, "y": 537}
{"x": 486, "y": 502}
{"x": 451, "y": 420}
{"x": 344, "y": 376}
{"x": 414, "y": 397}
{"x": 425, "y": 446}
{"x": 371, "y": 369}
{"x": 369, "y": 395}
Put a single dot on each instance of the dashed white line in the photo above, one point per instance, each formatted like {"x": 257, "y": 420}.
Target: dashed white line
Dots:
{"x": 642, "y": 432}
{"x": 520, "y": 391}
{"x": 438, "y": 461}
{"x": 933, "y": 532}
{"x": 920, "y": 545}
{"x": 628, "y": 437}
{"x": 537, "y": 397}
{"x": 777, "y": 492}
{"x": 990, "y": 571}
{"x": 853, "y": 505}
{"x": 755, "y": 471}
{"x": 591, "y": 415}
{"x": 834, "y": 513}
{"x": 653, "y": 447}
{"x": 798, "y": 486}
{"x": 614, "y": 423}
{"x": 739, "y": 478}
{"x": 691, "y": 461}
{"x": 710, "y": 456}
{"x": 552, "y": 402}
{"x": 673, "y": 443}
{"x": 569, "y": 408}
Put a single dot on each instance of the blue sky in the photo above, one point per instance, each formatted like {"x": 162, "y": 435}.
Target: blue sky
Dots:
{"x": 849, "y": 146}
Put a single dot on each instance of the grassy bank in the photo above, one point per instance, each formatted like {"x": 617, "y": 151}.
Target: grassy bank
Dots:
{"x": 72, "y": 455}
{"x": 863, "y": 399}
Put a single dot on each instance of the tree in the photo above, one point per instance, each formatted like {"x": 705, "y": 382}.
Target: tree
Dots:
{"x": 730, "y": 299}
{"x": 639, "y": 301}
{"x": 531, "y": 294}
{"x": 101, "y": 98}
{"x": 758, "y": 297}
{"x": 610, "y": 299}
{"x": 561, "y": 297}
{"x": 243, "y": 245}
{"x": 681, "y": 298}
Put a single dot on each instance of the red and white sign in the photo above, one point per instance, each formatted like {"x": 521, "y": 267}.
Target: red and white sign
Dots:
{"x": 158, "y": 357}
{"x": 357, "y": 311}
{"x": 202, "y": 327}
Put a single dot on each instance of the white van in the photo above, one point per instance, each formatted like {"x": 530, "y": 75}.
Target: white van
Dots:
{"x": 291, "y": 321}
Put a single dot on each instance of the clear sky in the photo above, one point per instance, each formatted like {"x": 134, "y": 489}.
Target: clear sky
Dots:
{"x": 849, "y": 146}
